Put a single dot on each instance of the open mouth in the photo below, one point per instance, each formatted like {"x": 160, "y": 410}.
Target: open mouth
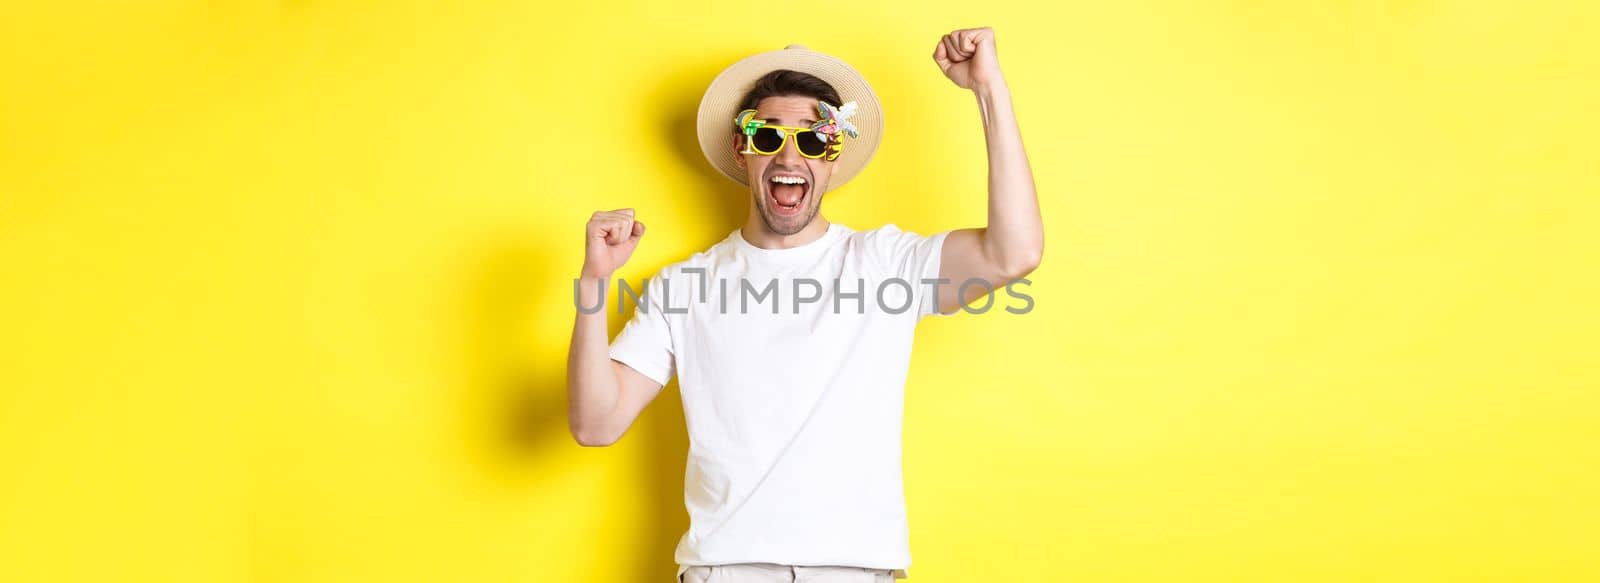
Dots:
{"x": 787, "y": 193}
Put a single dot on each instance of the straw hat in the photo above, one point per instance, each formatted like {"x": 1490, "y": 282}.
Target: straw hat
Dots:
{"x": 721, "y": 103}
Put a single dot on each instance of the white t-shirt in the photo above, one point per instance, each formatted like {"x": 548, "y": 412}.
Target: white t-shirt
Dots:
{"x": 794, "y": 407}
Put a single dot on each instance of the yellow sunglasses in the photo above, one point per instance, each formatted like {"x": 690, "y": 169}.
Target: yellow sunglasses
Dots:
{"x": 768, "y": 139}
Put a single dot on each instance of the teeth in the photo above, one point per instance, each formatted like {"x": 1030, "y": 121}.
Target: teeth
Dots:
{"x": 788, "y": 180}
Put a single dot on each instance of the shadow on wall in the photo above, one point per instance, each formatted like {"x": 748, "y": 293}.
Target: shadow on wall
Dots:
{"x": 516, "y": 402}
{"x": 679, "y": 95}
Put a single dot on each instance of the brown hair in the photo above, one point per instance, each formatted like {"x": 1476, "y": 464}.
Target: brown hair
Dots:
{"x": 786, "y": 82}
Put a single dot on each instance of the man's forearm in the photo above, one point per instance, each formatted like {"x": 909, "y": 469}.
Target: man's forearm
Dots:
{"x": 1014, "y": 237}
{"x": 591, "y": 381}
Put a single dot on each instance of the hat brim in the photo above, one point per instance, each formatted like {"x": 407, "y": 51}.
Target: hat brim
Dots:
{"x": 720, "y": 103}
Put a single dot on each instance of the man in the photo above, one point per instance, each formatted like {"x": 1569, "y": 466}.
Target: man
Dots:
{"x": 791, "y": 338}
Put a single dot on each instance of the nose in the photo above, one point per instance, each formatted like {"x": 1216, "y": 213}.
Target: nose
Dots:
{"x": 789, "y": 156}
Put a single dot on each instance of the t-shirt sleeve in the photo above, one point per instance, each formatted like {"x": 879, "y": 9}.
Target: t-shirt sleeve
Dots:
{"x": 914, "y": 258}
{"x": 645, "y": 343}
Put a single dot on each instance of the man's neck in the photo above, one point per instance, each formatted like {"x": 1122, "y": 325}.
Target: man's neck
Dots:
{"x": 755, "y": 231}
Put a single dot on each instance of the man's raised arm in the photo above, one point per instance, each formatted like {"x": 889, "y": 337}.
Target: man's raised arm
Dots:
{"x": 603, "y": 396}
{"x": 1010, "y": 246}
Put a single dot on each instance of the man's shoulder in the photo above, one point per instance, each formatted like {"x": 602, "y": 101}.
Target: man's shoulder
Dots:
{"x": 889, "y": 238}
{"x": 889, "y": 232}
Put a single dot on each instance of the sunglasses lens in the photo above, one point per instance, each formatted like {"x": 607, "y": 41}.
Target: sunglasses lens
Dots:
{"x": 811, "y": 143}
{"x": 767, "y": 140}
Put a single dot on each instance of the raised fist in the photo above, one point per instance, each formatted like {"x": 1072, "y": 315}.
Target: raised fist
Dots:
{"x": 967, "y": 57}
{"x": 611, "y": 237}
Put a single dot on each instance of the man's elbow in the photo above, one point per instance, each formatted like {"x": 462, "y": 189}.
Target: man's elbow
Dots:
{"x": 1021, "y": 263}
{"x": 594, "y": 437}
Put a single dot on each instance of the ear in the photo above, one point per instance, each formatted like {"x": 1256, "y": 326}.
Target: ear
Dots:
{"x": 738, "y": 148}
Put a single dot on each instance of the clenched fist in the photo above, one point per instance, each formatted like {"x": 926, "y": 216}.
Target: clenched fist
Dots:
{"x": 967, "y": 57}
{"x": 611, "y": 237}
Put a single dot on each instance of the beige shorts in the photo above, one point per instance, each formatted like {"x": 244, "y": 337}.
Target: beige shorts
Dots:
{"x": 773, "y": 573}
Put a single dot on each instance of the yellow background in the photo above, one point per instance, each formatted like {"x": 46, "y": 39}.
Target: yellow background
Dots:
{"x": 286, "y": 286}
